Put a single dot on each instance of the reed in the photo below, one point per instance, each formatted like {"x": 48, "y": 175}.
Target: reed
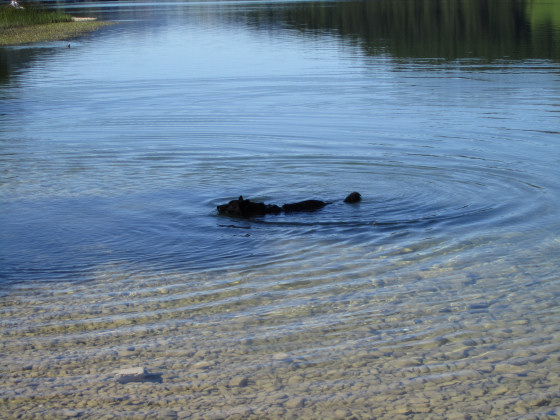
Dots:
{"x": 34, "y": 24}
{"x": 31, "y": 15}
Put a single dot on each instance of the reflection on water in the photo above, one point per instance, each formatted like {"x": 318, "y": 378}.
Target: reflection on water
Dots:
{"x": 439, "y": 29}
{"x": 435, "y": 297}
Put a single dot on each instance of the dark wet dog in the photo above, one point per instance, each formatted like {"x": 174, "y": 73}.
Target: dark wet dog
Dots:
{"x": 248, "y": 208}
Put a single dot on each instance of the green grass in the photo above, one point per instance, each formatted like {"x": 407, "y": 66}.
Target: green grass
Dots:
{"x": 33, "y": 24}
{"x": 11, "y": 17}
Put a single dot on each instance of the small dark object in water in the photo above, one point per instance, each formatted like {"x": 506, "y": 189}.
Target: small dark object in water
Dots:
{"x": 248, "y": 208}
{"x": 307, "y": 205}
{"x": 353, "y": 197}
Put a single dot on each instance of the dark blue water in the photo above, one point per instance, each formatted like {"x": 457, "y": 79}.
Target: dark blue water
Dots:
{"x": 114, "y": 154}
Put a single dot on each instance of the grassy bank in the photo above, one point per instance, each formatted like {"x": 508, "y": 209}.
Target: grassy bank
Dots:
{"x": 11, "y": 17}
{"x": 32, "y": 24}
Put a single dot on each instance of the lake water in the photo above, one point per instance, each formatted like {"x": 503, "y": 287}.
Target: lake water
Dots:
{"x": 435, "y": 297}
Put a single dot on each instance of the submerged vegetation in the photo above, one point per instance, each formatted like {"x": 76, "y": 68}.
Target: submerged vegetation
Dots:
{"x": 34, "y": 24}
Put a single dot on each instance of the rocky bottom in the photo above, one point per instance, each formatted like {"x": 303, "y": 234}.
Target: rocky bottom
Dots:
{"x": 439, "y": 343}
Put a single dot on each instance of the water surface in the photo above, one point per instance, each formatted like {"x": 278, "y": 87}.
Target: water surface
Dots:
{"x": 435, "y": 296}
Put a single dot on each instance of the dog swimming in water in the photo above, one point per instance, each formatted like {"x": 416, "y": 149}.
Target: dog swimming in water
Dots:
{"x": 248, "y": 208}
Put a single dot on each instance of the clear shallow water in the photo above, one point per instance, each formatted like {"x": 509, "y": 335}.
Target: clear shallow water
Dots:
{"x": 435, "y": 296}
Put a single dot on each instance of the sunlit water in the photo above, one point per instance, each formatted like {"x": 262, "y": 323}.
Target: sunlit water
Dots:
{"x": 436, "y": 296}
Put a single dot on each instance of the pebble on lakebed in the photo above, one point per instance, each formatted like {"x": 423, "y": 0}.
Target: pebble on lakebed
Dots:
{"x": 135, "y": 374}
{"x": 131, "y": 352}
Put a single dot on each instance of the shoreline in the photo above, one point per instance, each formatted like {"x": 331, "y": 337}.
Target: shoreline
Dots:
{"x": 50, "y": 32}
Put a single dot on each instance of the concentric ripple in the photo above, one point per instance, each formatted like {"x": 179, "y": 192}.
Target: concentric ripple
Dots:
{"x": 434, "y": 297}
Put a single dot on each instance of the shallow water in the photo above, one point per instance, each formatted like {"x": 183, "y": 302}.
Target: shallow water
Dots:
{"x": 436, "y": 296}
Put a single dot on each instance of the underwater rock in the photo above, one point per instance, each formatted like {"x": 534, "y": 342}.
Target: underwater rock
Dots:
{"x": 248, "y": 208}
{"x": 136, "y": 374}
{"x": 238, "y": 381}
